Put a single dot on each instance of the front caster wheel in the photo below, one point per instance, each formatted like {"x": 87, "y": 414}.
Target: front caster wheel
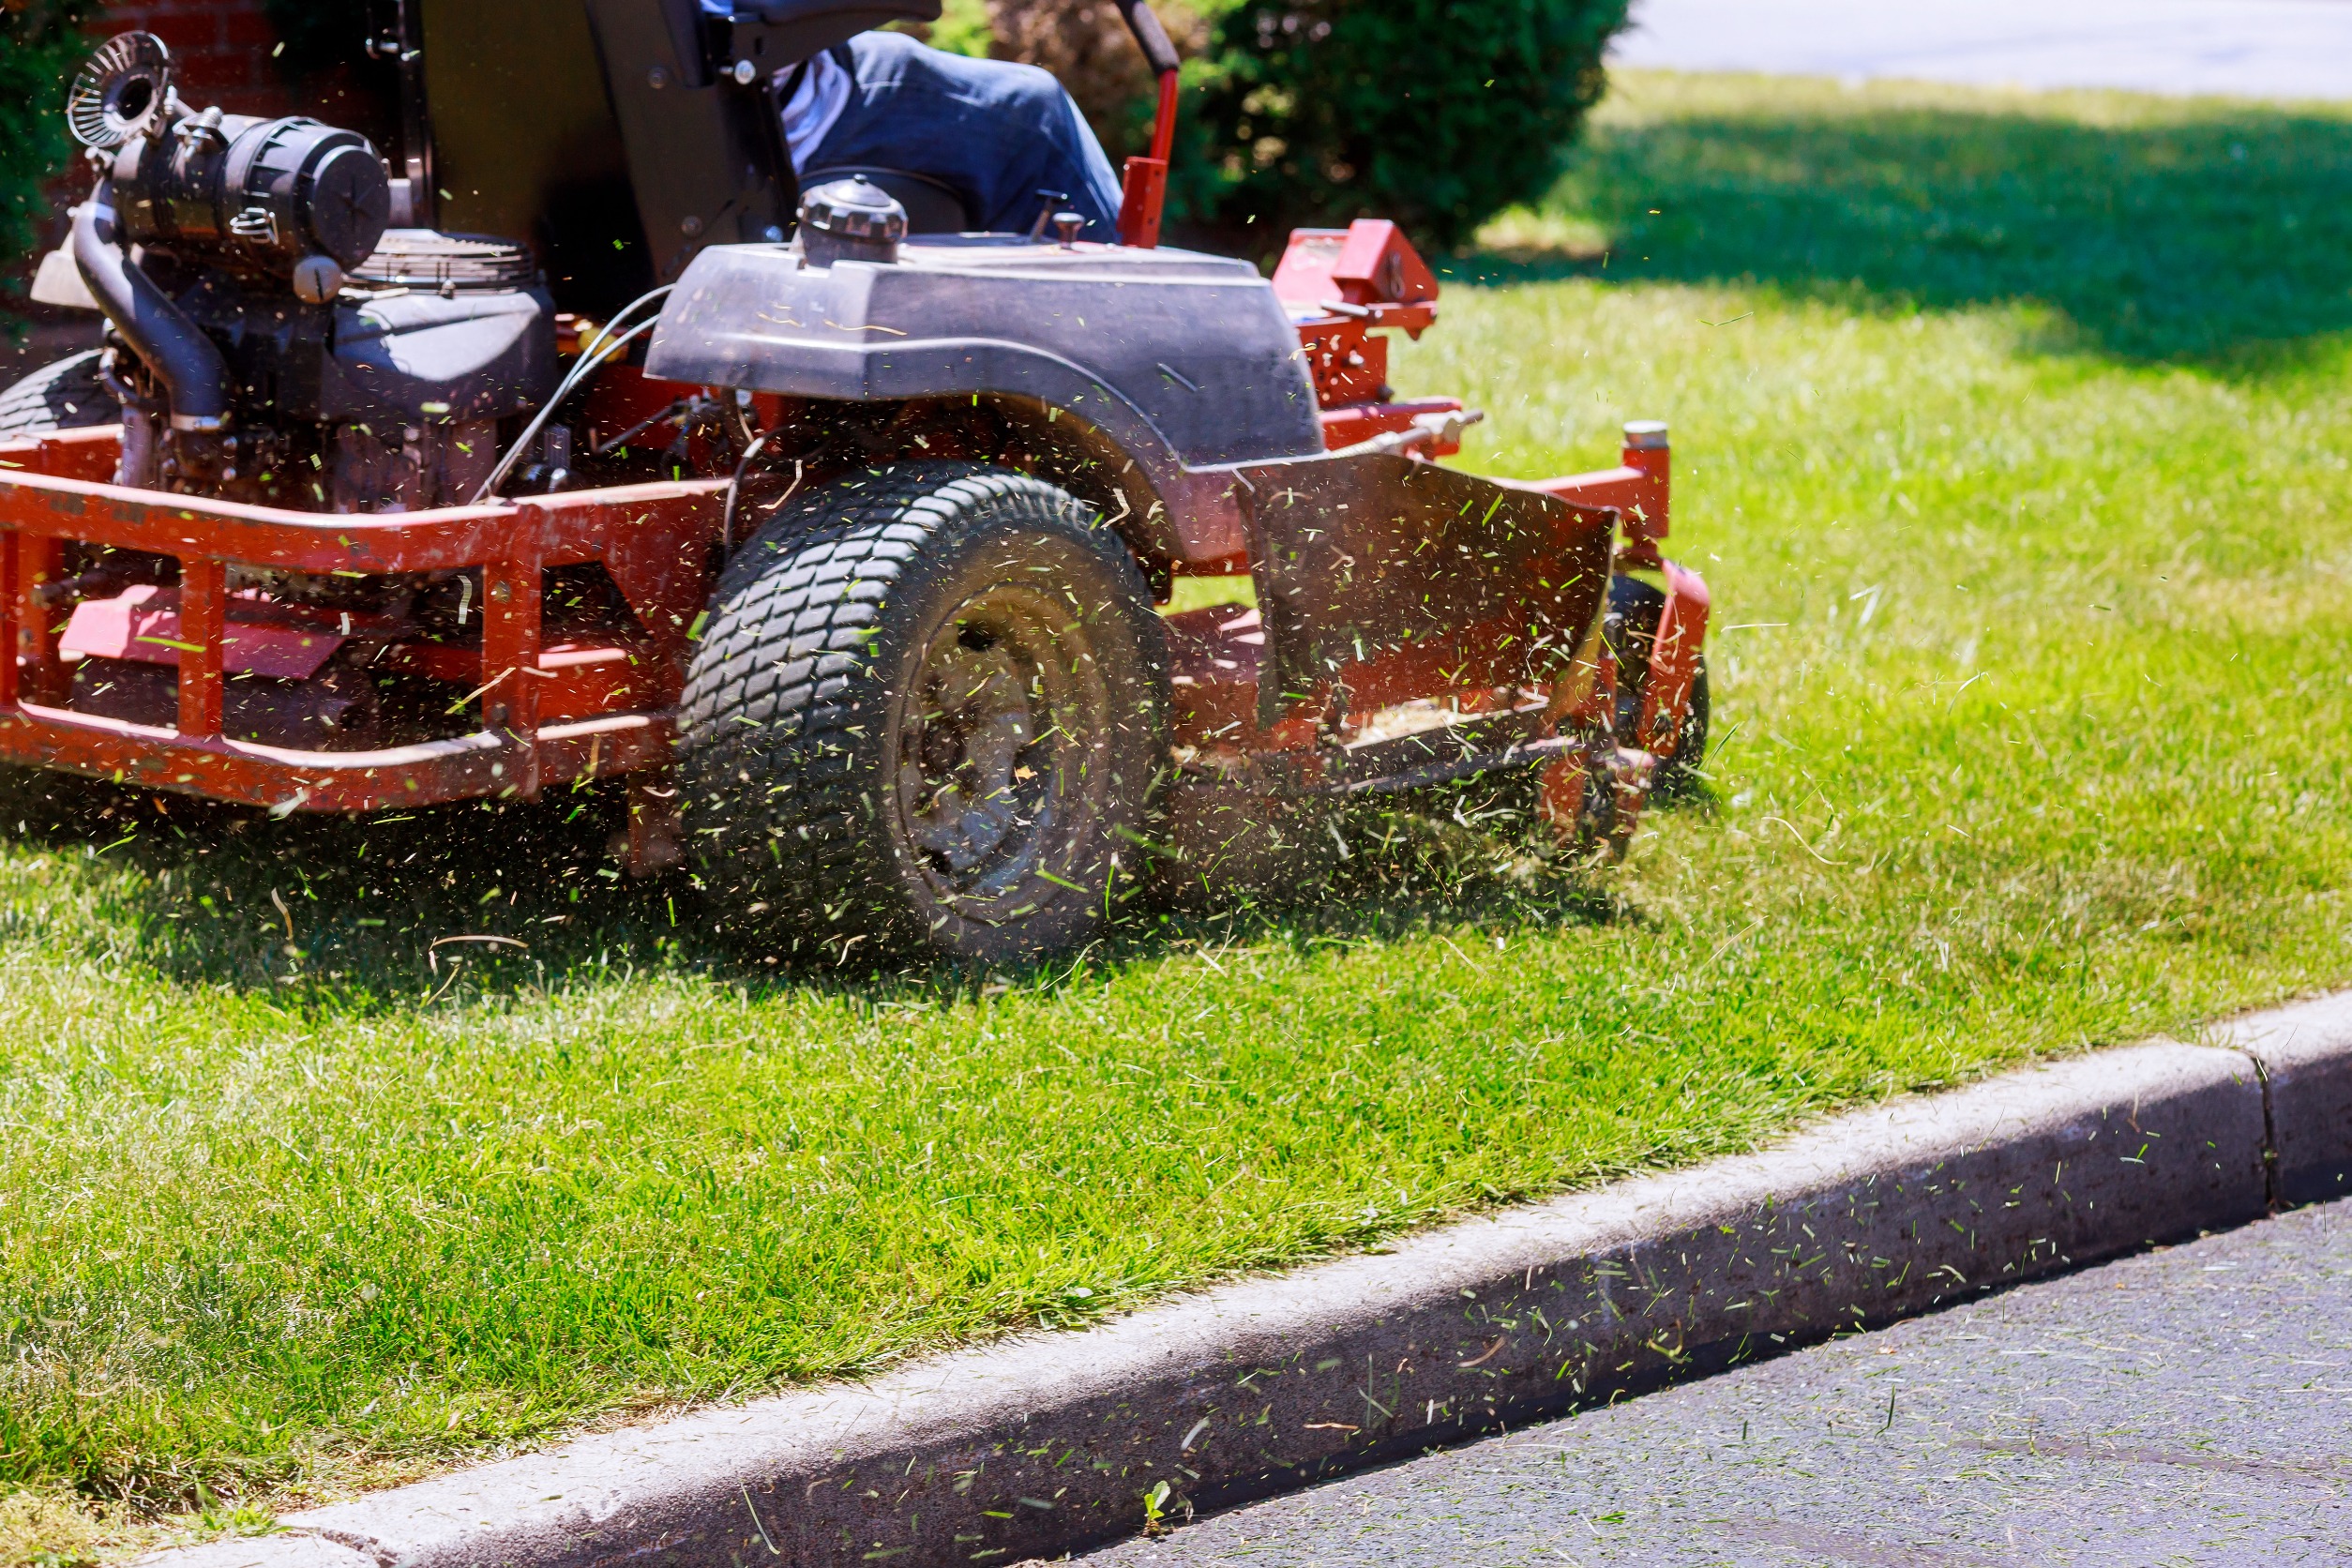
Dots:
{"x": 925, "y": 716}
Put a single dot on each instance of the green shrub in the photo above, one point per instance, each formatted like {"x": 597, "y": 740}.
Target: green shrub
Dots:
{"x": 40, "y": 43}
{"x": 1435, "y": 112}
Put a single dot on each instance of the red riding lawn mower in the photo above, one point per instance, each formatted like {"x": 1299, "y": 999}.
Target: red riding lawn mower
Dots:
{"x": 837, "y": 531}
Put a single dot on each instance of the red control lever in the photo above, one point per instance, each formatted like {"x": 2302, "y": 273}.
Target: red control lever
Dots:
{"x": 1145, "y": 190}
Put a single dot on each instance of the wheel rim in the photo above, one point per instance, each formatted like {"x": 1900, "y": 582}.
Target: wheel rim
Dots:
{"x": 991, "y": 783}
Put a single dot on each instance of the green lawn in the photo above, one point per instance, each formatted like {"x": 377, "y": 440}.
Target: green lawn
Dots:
{"x": 2012, "y": 433}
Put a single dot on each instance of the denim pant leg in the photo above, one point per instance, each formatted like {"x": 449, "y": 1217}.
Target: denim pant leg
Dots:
{"x": 994, "y": 132}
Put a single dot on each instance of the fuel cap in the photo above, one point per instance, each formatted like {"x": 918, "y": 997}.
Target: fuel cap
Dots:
{"x": 851, "y": 220}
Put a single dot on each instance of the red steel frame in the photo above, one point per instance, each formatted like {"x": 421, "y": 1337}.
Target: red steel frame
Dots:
{"x": 554, "y": 714}
{"x": 654, "y": 540}
{"x": 1219, "y": 654}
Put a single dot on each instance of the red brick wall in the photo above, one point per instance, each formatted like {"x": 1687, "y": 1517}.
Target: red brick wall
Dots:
{"x": 220, "y": 50}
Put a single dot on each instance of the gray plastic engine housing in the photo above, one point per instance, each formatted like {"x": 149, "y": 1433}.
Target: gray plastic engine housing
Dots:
{"x": 473, "y": 356}
{"x": 1187, "y": 361}
{"x": 403, "y": 357}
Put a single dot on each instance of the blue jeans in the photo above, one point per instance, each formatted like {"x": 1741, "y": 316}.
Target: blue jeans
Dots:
{"x": 994, "y": 132}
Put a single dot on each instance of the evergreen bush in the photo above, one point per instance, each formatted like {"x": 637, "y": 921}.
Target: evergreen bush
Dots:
{"x": 41, "y": 41}
{"x": 1438, "y": 114}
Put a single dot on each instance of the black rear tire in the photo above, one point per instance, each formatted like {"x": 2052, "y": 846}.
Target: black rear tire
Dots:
{"x": 62, "y": 396}
{"x": 925, "y": 716}
{"x": 1634, "y": 610}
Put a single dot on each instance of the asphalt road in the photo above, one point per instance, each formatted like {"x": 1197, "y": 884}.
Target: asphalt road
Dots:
{"x": 2187, "y": 1407}
{"x": 2277, "y": 49}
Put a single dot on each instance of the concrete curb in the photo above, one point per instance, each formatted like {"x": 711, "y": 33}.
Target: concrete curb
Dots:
{"x": 2305, "y": 1055}
{"x": 1048, "y": 1444}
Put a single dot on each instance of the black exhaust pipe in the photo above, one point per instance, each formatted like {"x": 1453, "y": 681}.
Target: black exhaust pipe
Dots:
{"x": 195, "y": 378}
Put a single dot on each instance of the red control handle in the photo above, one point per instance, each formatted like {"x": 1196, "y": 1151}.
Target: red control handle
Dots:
{"x": 1145, "y": 190}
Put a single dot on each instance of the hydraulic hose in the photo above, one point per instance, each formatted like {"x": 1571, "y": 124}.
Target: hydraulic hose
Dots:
{"x": 195, "y": 378}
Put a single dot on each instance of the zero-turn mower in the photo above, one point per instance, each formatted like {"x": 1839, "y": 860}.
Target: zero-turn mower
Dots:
{"x": 580, "y": 443}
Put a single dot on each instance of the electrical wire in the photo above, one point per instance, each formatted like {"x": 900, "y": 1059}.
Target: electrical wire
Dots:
{"x": 600, "y": 348}
{"x": 623, "y": 313}
{"x": 589, "y": 362}
{"x": 734, "y": 487}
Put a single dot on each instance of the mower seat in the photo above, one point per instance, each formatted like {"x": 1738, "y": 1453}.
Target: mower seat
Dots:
{"x": 933, "y": 206}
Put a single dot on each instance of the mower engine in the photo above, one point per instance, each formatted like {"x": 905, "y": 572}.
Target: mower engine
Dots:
{"x": 285, "y": 348}
{"x": 274, "y": 342}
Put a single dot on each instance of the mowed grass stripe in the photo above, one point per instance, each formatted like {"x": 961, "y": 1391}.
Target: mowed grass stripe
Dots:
{"x": 2030, "y": 685}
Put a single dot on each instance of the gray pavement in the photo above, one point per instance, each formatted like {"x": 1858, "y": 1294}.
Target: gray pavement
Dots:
{"x": 2192, "y": 1405}
{"x": 2275, "y": 49}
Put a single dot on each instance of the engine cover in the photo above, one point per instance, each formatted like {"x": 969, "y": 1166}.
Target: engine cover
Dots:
{"x": 400, "y": 345}
{"x": 420, "y": 356}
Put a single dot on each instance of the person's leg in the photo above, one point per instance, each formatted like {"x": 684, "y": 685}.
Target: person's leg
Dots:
{"x": 995, "y": 131}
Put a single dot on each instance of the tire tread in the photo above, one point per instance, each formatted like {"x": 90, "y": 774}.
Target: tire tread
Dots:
{"x": 63, "y": 395}
{"x": 779, "y": 699}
